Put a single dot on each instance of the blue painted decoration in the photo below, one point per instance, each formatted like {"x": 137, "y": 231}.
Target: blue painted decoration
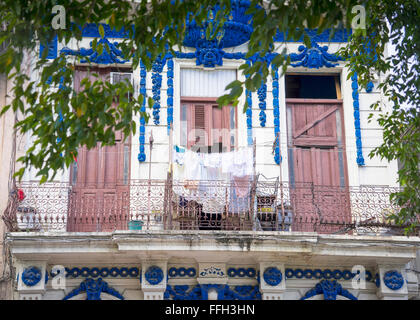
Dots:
{"x": 182, "y": 272}
{"x": 157, "y": 69}
{"x": 241, "y": 272}
{"x": 200, "y": 292}
{"x": 51, "y": 47}
{"x": 182, "y": 292}
{"x": 314, "y": 58}
{"x": 154, "y": 275}
{"x": 330, "y": 289}
{"x": 31, "y": 276}
{"x": 324, "y": 274}
{"x": 104, "y": 272}
{"x": 142, "y": 129}
{"x": 393, "y": 280}
{"x": 212, "y": 271}
{"x": 276, "y": 112}
{"x": 355, "y": 87}
{"x": 369, "y": 87}
{"x": 110, "y": 53}
{"x": 93, "y": 289}
{"x": 91, "y": 30}
{"x": 170, "y": 94}
{"x": 341, "y": 35}
{"x": 272, "y": 276}
{"x": 262, "y": 95}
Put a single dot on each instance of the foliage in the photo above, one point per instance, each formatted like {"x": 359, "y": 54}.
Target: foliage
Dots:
{"x": 62, "y": 120}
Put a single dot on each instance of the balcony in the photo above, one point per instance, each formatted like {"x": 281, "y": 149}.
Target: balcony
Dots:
{"x": 204, "y": 205}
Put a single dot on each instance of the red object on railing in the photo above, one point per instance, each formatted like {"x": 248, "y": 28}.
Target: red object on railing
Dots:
{"x": 21, "y": 194}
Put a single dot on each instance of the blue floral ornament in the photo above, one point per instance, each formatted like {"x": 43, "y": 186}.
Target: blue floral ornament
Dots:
{"x": 31, "y": 276}
{"x": 272, "y": 276}
{"x": 154, "y": 275}
{"x": 393, "y": 280}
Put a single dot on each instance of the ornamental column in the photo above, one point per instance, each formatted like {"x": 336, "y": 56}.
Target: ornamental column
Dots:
{"x": 154, "y": 279}
{"x": 272, "y": 280}
{"x": 31, "y": 279}
{"x": 391, "y": 282}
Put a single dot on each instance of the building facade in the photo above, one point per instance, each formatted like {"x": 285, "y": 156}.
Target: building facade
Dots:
{"x": 274, "y": 199}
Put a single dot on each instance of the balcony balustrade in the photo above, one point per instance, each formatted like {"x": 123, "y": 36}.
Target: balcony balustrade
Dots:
{"x": 205, "y": 205}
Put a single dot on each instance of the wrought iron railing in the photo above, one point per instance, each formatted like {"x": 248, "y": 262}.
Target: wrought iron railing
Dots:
{"x": 206, "y": 205}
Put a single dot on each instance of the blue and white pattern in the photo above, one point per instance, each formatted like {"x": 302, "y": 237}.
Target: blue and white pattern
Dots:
{"x": 272, "y": 276}
{"x": 31, "y": 276}
{"x": 262, "y": 95}
{"x": 154, "y": 275}
{"x": 212, "y": 271}
{"x": 170, "y": 93}
{"x": 393, "y": 280}
{"x": 276, "y": 112}
{"x": 326, "y": 274}
{"x": 142, "y": 154}
{"x": 157, "y": 69}
{"x": 93, "y": 289}
{"x": 355, "y": 87}
{"x": 330, "y": 289}
{"x": 314, "y": 58}
{"x": 182, "y": 272}
{"x": 110, "y": 53}
{"x": 242, "y": 272}
{"x": 200, "y": 292}
{"x": 104, "y": 272}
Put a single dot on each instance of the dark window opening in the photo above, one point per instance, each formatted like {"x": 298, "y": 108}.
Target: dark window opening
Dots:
{"x": 313, "y": 87}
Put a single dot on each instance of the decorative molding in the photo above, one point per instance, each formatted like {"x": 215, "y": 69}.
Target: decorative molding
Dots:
{"x": 182, "y": 272}
{"x": 355, "y": 87}
{"x": 262, "y": 95}
{"x": 276, "y": 112}
{"x": 272, "y": 276}
{"x": 182, "y": 292}
{"x": 91, "y": 30}
{"x": 212, "y": 272}
{"x": 209, "y": 56}
{"x": 142, "y": 129}
{"x": 31, "y": 276}
{"x": 393, "y": 280}
{"x": 314, "y": 58}
{"x": 341, "y": 35}
{"x": 248, "y": 95}
{"x": 326, "y": 274}
{"x": 200, "y": 292}
{"x": 154, "y": 275}
{"x": 157, "y": 69}
{"x": 236, "y": 30}
{"x": 105, "y": 272}
{"x": 51, "y": 47}
{"x": 170, "y": 93}
{"x": 93, "y": 289}
{"x": 330, "y": 289}
{"x": 110, "y": 53}
{"x": 242, "y": 272}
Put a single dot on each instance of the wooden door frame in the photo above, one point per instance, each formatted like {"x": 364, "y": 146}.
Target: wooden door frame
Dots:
{"x": 338, "y": 102}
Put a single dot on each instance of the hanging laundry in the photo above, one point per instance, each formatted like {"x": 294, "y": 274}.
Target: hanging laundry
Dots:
{"x": 179, "y": 155}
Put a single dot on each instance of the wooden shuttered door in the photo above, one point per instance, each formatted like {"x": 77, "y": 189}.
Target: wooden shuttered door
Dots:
{"x": 100, "y": 182}
{"x": 208, "y": 127}
{"x": 317, "y": 165}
